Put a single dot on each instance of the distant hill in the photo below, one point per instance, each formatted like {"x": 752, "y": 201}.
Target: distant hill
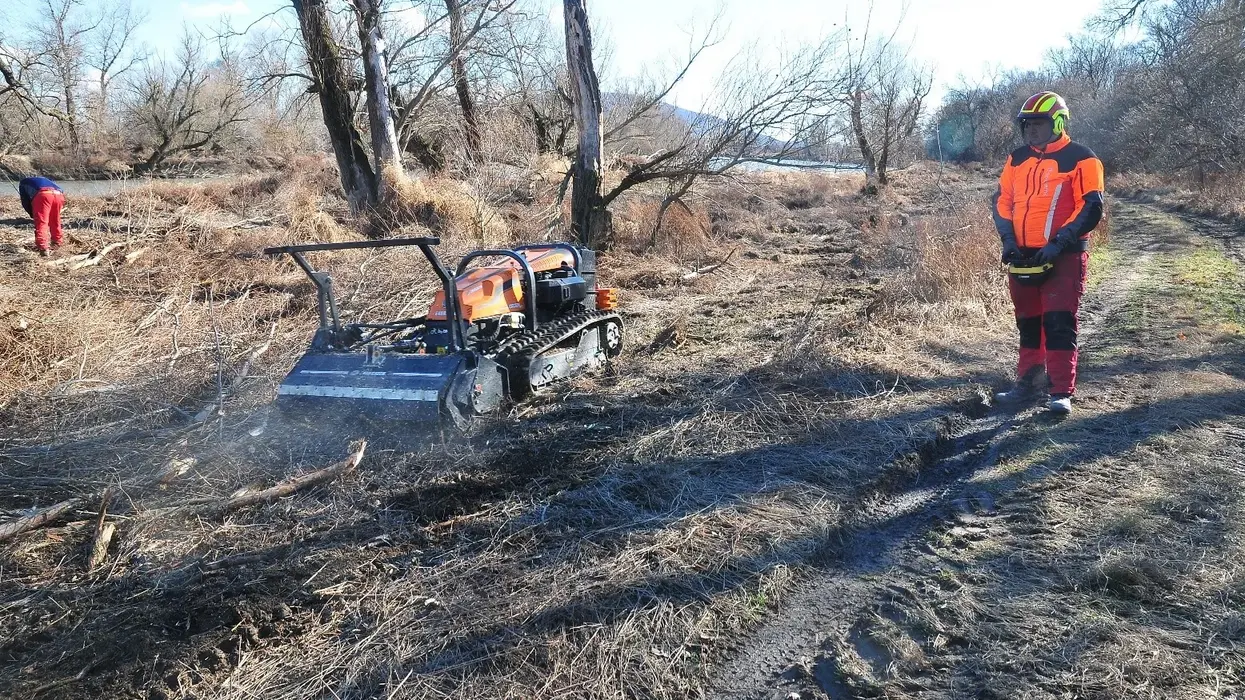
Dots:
{"x": 702, "y": 121}
{"x": 708, "y": 121}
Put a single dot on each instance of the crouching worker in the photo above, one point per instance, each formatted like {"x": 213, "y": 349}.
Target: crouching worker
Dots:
{"x": 1050, "y": 197}
{"x": 43, "y": 200}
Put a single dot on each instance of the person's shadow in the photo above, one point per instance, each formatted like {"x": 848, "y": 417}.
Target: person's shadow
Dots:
{"x": 14, "y": 222}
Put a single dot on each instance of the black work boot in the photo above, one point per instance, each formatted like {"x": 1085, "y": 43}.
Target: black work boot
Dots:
{"x": 1026, "y": 388}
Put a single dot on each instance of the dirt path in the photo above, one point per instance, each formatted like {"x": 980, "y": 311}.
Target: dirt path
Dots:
{"x": 792, "y": 471}
{"x": 1093, "y": 557}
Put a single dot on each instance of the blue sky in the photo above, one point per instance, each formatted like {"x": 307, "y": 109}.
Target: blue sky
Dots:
{"x": 957, "y": 37}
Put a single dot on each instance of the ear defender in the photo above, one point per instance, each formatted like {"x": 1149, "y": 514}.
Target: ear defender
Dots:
{"x": 1046, "y": 104}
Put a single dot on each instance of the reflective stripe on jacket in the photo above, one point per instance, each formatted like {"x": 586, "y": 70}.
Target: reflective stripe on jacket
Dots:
{"x": 1045, "y": 191}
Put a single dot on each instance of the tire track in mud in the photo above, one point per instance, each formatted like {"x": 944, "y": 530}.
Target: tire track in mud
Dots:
{"x": 787, "y": 657}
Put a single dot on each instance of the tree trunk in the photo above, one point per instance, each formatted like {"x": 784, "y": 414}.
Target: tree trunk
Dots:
{"x": 71, "y": 115}
{"x": 376, "y": 83}
{"x": 884, "y": 159}
{"x": 458, "y": 67}
{"x": 324, "y": 58}
{"x": 158, "y": 154}
{"x": 589, "y": 217}
{"x": 540, "y": 126}
{"x": 869, "y": 160}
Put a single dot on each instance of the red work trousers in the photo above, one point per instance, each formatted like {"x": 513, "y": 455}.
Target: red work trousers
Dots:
{"x": 1046, "y": 315}
{"x": 46, "y": 210}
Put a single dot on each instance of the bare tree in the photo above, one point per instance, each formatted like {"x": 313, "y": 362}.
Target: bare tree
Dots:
{"x": 15, "y": 66}
{"x": 419, "y": 62}
{"x": 59, "y": 40}
{"x": 590, "y": 219}
{"x": 376, "y": 84}
{"x": 885, "y": 95}
{"x": 753, "y": 102}
{"x": 43, "y": 69}
{"x": 1116, "y": 15}
{"x": 109, "y": 49}
{"x": 964, "y": 119}
{"x": 462, "y": 87}
{"x": 1196, "y": 66}
{"x": 332, "y": 84}
{"x": 759, "y": 112}
{"x": 1090, "y": 59}
{"x": 186, "y": 103}
{"x": 536, "y": 90}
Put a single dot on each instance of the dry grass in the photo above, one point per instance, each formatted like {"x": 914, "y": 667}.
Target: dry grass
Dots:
{"x": 686, "y": 232}
{"x": 448, "y": 207}
{"x": 608, "y": 541}
{"x": 944, "y": 259}
{"x": 1221, "y": 196}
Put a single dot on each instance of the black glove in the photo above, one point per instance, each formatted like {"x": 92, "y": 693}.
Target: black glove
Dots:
{"x": 1048, "y": 252}
{"x": 1056, "y": 245}
{"x": 1011, "y": 251}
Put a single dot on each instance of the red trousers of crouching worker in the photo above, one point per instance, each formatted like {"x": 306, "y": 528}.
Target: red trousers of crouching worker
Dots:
{"x": 46, "y": 210}
{"x": 1046, "y": 315}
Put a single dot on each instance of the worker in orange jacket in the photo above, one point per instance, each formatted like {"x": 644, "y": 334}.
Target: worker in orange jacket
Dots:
{"x": 1050, "y": 197}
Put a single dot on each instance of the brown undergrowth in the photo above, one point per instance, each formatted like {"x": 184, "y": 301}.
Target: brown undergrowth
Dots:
{"x": 1218, "y": 196}
{"x": 606, "y": 541}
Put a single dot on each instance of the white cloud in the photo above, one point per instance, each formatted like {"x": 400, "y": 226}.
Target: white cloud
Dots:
{"x": 411, "y": 18}
{"x": 215, "y": 9}
{"x": 91, "y": 75}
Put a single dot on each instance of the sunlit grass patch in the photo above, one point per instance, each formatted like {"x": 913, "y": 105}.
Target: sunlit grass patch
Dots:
{"x": 1214, "y": 284}
{"x": 1149, "y": 299}
{"x": 1102, "y": 262}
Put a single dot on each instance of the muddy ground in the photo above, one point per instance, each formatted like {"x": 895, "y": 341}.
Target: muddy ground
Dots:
{"x": 792, "y": 483}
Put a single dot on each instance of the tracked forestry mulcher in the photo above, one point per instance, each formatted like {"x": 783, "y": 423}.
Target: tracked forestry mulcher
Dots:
{"x": 506, "y": 324}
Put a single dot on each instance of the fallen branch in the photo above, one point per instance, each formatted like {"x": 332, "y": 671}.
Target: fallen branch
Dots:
{"x": 56, "y": 512}
{"x": 296, "y": 484}
{"x": 709, "y": 269}
{"x": 40, "y": 518}
{"x": 74, "y": 262}
{"x": 103, "y": 510}
{"x": 249, "y": 223}
{"x": 96, "y": 258}
{"x": 458, "y": 520}
{"x": 68, "y": 261}
{"x": 99, "y": 547}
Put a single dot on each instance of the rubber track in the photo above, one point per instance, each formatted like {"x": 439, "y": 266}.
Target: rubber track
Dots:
{"x": 526, "y": 346}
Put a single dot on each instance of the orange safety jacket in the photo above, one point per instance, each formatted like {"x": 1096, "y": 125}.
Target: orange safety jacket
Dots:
{"x": 1050, "y": 193}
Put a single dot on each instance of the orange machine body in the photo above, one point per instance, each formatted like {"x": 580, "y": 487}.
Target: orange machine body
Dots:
{"x": 484, "y": 292}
